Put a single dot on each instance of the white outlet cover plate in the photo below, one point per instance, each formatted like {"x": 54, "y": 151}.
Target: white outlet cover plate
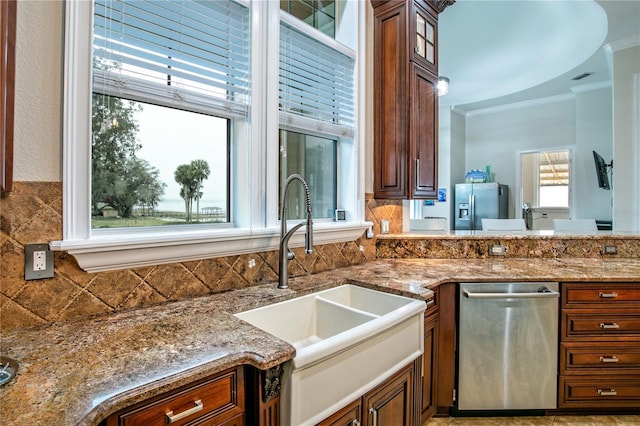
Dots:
{"x": 32, "y": 253}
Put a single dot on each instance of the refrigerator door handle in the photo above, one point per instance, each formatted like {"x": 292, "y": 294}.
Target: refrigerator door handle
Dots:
{"x": 472, "y": 211}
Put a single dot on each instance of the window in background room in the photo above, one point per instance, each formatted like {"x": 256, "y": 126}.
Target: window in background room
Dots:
{"x": 546, "y": 178}
{"x": 170, "y": 82}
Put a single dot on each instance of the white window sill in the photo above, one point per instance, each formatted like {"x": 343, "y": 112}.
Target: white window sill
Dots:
{"x": 111, "y": 252}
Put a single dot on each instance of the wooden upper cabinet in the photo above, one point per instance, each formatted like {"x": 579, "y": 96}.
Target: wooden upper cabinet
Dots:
{"x": 423, "y": 133}
{"x": 390, "y": 90}
{"x": 405, "y": 101}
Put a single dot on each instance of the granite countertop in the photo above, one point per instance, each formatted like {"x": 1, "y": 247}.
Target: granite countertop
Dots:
{"x": 79, "y": 372}
{"x": 516, "y": 235}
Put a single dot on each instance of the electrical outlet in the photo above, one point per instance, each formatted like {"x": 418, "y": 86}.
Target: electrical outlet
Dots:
{"x": 610, "y": 249}
{"x": 38, "y": 262}
{"x": 498, "y": 250}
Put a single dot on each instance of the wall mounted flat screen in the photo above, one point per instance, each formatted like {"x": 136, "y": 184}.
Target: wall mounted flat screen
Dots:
{"x": 602, "y": 171}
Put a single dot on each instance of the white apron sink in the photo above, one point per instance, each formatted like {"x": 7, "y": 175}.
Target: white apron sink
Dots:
{"x": 348, "y": 340}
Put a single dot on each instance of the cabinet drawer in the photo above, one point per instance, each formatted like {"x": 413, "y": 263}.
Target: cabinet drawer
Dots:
{"x": 219, "y": 398}
{"x": 605, "y": 325}
{"x": 598, "y": 295}
{"x": 594, "y": 358}
{"x": 597, "y": 392}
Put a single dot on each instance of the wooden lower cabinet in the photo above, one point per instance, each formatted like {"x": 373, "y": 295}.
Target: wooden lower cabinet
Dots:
{"x": 446, "y": 347}
{"x": 599, "y": 349}
{"x": 428, "y": 403}
{"x": 600, "y": 346}
{"x": 389, "y": 404}
{"x": 243, "y": 395}
{"x": 591, "y": 392}
{"x": 351, "y": 415}
{"x": 216, "y": 400}
{"x": 238, "y": 420}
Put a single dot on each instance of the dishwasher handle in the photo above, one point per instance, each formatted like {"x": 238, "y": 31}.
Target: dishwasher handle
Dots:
{"x": 537, "y": 295}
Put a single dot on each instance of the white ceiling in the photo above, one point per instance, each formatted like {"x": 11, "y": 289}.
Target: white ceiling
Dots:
{"x": 508, "y": 51}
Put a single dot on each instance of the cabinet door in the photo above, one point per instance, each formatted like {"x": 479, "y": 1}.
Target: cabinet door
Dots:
{"x": 390, "y": 403}
{"x": 351, "y": 415}
{"x": 447, "y": 313}
{"x": 424, "y": 36}
{"x": 390, "y": 99}
{"x": 429, "y": 368}
{"x": 423, "y": 121}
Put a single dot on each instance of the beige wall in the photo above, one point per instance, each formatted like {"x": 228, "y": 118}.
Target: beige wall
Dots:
{"x": 39, "y": 64}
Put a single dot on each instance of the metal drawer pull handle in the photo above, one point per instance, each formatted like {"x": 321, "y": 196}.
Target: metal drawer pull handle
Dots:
{"x": 610, "y": 392}
{"x": 198, "y": 406}
{"x": 609, "y": 359}
{"x": 355, "y": 422}
{"x": 611, "y": 325}
{"x": 608, "y": 295}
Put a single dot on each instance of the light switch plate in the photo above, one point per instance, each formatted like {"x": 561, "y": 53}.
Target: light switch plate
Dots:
{"x": 38, "y": 262}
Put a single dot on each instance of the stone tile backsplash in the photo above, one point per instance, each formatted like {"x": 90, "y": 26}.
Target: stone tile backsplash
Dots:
{"x": 32, "y": 213}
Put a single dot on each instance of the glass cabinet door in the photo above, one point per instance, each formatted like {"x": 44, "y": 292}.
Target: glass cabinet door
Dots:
{"x": 425, "y": 38}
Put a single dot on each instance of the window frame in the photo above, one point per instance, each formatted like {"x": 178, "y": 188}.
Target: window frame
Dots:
{"x": 255, "y": 194}
{"x": 519, "y": 181}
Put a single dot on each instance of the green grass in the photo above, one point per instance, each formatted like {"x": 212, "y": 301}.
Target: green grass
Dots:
{"x": 161, "y": 219}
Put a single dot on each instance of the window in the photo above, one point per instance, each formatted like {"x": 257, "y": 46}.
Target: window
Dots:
{"x": 175, "y": 79}
{"x": 190, "y": 59}
{"x": 315, "y": 158}
{"x": 146, "y": 171}
{"x": 546, "y": 178}
{"x": 320, "y": 14}
{"x": 316, "y": 113}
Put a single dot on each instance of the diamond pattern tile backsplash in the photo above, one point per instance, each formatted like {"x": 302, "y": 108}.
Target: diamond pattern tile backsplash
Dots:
{"x": 32, "y": 213}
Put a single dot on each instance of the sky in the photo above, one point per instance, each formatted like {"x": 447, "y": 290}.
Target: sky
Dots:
{"x": 171, "y": 137}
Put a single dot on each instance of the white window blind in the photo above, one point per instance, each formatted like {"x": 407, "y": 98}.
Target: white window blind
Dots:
{"x": 191, "y": 54}
{"x": 316, "y": 84}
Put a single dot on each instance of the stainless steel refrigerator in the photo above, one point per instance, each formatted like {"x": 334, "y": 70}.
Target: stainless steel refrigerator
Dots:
{"x": 474, "y": 201}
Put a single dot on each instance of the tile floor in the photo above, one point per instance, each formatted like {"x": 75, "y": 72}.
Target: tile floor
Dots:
{"x": 536, "y": 421}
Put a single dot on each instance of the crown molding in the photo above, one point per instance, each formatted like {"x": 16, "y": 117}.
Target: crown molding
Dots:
{"x": 518, "y": 105}
{"x": 591, "y": 86}
{"x": 438, "y": 5}
{"x": 623, "y": 44}
{"x": 441, "y": 5}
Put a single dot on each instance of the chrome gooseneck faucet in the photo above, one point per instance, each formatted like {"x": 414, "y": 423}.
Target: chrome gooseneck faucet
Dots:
{"x": 285, "y": 254}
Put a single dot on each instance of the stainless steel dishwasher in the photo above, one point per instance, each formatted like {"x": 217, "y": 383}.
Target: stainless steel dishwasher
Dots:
{"x": 508, "y": 346}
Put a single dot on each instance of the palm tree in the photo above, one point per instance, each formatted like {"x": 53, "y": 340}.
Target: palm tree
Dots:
{"x": 184, "y": 176}
{"x": 200, "y": 171}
